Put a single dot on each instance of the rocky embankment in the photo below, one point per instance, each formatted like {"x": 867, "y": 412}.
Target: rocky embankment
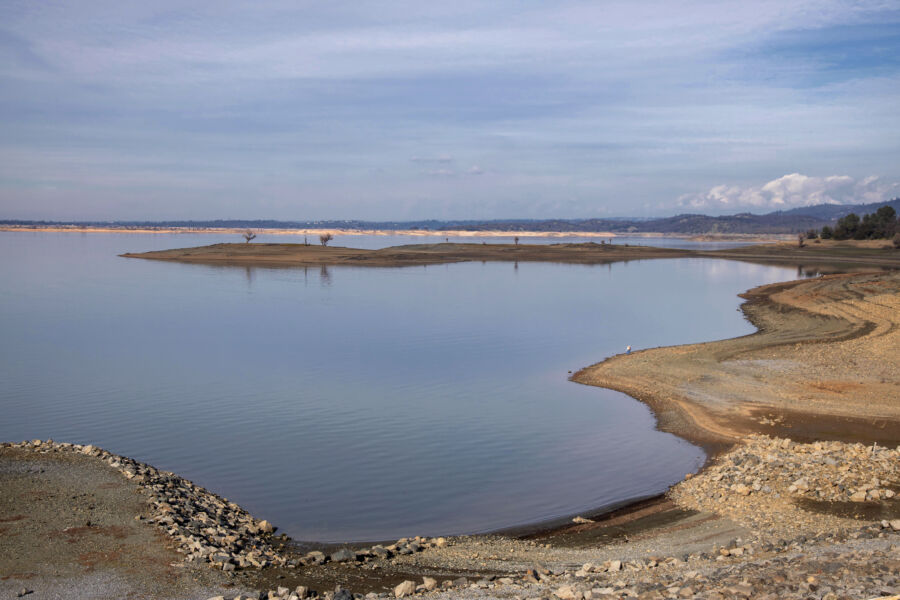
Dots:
{"x": 770, "y": 485}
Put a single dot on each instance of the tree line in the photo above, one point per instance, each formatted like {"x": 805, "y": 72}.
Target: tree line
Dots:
{"x": 880, "y": 225}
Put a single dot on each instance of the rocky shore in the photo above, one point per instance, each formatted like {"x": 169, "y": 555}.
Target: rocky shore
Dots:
{"x": 790, "y": 501}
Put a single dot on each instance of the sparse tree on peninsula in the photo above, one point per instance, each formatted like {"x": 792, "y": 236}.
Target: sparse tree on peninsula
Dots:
{"x": 249, "y": 235}
{"x": 325, "y": 238}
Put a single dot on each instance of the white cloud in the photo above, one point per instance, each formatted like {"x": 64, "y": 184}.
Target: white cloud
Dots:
{"x": 791, "y": 191}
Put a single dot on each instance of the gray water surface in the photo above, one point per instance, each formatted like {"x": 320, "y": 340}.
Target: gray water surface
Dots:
{"x": 349, "y": 403}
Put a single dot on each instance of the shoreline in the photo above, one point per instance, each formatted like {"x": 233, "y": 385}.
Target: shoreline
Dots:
{"x": 770, "y": 381}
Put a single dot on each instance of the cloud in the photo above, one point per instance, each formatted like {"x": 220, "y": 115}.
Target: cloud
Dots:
{"x": 793, "y": 190}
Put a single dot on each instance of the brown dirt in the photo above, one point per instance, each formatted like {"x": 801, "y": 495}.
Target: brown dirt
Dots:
{"x": 69, "y": 524}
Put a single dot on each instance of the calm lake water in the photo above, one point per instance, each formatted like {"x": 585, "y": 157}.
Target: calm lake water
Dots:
{"x": 350, "y": 403}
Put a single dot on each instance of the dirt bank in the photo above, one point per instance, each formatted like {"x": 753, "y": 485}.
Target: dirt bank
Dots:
{"x": 825, "y": 364}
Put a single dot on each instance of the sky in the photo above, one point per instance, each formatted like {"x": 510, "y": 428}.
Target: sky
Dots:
{"x": 304, "y": 110}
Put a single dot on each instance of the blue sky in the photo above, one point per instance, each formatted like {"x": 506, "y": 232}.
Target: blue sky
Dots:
{"x": 407, "y": 110}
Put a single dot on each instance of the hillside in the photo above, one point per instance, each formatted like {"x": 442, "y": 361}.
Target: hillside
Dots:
{"x": 779, "y": 222}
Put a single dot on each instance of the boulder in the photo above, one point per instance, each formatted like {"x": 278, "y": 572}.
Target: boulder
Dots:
{"x": 265, "y": 527}
{"x": 407, "y": 588}
{"x": 343, "y": 555}
{"x": 567, "y": 592}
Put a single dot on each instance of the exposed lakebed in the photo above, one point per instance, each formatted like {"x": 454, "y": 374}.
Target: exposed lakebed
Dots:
{"x": 351, "y": 403}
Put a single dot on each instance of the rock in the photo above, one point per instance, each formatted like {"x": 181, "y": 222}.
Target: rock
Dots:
{"x": 26, "y": 591}
{"x": 895, "y": 524}
{"x": 742, "y": 489}
{"x": 615, "y": 565}
{"x": 581, "y": 520}
{"x": 343, "y": 555}
{"x": 315, "y": 558}
{"x": 859, "y": 496}
{"x": 342, "y": 594}
{"x": 265, "y": 527}
{"x": 440, "y": 542}
{"x": 302, "y": 591}
{"x": 430, "y": 583}
{"x": 567, "y": 592}
{"x": 407, "y": 588}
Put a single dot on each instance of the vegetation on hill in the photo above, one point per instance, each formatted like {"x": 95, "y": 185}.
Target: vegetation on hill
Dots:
{"x": 880, "y": 225}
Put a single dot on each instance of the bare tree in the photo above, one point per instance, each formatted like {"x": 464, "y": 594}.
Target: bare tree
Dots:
{"x": 516, "y": 240}
{"x": 800, "y": 238}
{"x": 897, "y": 241}
{"x": 325, "y": 238}
{"x": 249, "y": 235}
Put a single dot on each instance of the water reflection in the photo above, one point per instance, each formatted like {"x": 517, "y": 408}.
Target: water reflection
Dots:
{"x": 324, "y": 276}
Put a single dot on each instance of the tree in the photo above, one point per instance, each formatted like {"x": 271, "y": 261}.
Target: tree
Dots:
{"x": 812, "y": 234}
{"x": 249, "y": 235}
{"x": 516, "y": 240}
{"x": 827, "y": 233}
{"x": 897, "y": 241}
{"x": 800, "y": 238}
{"x": 885, "y": 222}
{"x": 325, "y": 238}
{"x": 847, "y": 227}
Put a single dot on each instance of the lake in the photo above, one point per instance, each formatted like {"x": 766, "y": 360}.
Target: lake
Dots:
{"x": 352, "y": 404}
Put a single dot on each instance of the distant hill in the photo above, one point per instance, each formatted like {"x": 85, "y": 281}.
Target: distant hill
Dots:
{"x": 795, "y": 220}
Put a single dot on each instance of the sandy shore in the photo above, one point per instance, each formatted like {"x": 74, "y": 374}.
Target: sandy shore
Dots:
{"x": 768, "y": 518}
